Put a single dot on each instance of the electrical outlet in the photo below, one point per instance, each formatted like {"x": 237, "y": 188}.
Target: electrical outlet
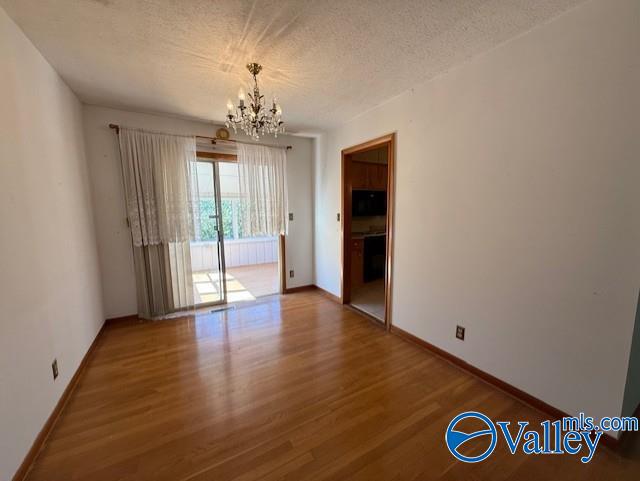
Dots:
{"x": 291, "y": 273}
{"x": 338, "y": 216}
{"x": 290, "y": 215}
{"x": 460, "y": 332}
{"x": 54, "y": 368}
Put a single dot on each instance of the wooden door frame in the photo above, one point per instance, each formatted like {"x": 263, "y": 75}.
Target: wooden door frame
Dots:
{"x": 282, "y": 263}
{"x": 345, "y": 219}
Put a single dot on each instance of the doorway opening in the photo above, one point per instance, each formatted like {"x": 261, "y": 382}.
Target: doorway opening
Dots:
{"x": 227, "y": 264}
{"x": 367, "y": 227}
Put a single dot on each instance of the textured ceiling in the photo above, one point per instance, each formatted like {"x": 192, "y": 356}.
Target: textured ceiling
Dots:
{"x": 326, "y": 60}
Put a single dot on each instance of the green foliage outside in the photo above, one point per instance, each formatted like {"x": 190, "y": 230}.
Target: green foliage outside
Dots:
{"x": 208, "y": 223}
{"x": 227, "y": 218}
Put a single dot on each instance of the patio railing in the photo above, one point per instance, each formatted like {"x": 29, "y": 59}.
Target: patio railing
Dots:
{"x": 240, "y": 252}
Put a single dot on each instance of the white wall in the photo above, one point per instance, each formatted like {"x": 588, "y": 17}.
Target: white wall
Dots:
{"x": 517, "y": 207}
{"x": 114, "y": 240}
{"x": 49, "y": 281}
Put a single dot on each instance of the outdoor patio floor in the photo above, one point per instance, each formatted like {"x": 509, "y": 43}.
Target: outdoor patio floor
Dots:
{"x": 244, "y": 283}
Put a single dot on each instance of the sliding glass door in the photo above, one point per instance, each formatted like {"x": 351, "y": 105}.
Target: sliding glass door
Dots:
{"x": 251, "y": 261}
{"x": 207, "y": 251}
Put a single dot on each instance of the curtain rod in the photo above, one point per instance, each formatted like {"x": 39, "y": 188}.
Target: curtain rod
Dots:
{"x": 214, "y": 140}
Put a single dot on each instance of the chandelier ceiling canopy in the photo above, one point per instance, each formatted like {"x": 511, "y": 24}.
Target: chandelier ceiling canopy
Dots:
{"x": 255, "y": 119}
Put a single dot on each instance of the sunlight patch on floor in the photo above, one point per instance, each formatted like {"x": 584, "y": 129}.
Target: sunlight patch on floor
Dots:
{"x": 244, "y": 283}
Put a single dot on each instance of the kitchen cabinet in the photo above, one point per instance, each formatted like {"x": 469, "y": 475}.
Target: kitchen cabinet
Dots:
{"x": 357, "y": 262}
{"x": 368, "y": 176}
{"x": 377, "y": 176}
{"x": 359, "y": 176}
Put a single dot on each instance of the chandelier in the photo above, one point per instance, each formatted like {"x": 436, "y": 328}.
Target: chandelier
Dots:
{"x": 255, "y": 119}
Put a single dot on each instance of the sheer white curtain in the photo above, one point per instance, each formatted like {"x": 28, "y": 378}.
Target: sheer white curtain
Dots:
{"x": 160, "y": 207}
{"x": 263, "y": 188}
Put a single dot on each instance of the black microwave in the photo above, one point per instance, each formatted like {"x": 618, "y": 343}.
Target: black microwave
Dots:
{"x": 368, "y": 203}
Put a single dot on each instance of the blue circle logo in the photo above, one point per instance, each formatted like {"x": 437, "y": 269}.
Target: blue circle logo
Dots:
{"x": 455, "y": 439}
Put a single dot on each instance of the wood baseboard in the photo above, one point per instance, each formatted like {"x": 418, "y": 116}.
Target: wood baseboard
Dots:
{"x": 331, "y": 296}
{"x": 513, "y": 391}
{"x": 115, "y": 320}
{"x": 50, "y": 423}
{"x": 293, "y": 290}
{"x": 309, "y": 287}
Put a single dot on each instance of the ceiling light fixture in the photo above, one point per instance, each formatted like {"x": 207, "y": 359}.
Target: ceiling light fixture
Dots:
{"x": 255, "y": 119}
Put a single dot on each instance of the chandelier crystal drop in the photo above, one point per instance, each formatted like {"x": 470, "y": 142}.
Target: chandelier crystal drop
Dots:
{"x": 255, "y": 119}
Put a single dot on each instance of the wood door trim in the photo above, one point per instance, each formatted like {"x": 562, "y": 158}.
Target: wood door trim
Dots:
{"x": 345, "y": 219}
{"x": 391, "y": 202}
{"x": 370, "y": 144}
{"x": 282, "y": 259}
{"x": 216, "y": 156}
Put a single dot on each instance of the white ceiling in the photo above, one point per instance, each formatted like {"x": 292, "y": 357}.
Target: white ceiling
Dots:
{"x": 326, "y": 60}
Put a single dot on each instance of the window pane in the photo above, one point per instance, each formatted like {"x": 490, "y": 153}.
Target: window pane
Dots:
{"x": 207, "y": 221}
{"x": 227, "y": 218}
{"x": 242, "y": 215}
{"x": 229, "y": 183}
{"x": 234, "y": 207}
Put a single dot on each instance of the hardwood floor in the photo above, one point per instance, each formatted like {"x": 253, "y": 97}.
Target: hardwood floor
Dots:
{"x": 369, "y": 297}
{"x": 257, "y": 280}
{"x": 294, "y": 388}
